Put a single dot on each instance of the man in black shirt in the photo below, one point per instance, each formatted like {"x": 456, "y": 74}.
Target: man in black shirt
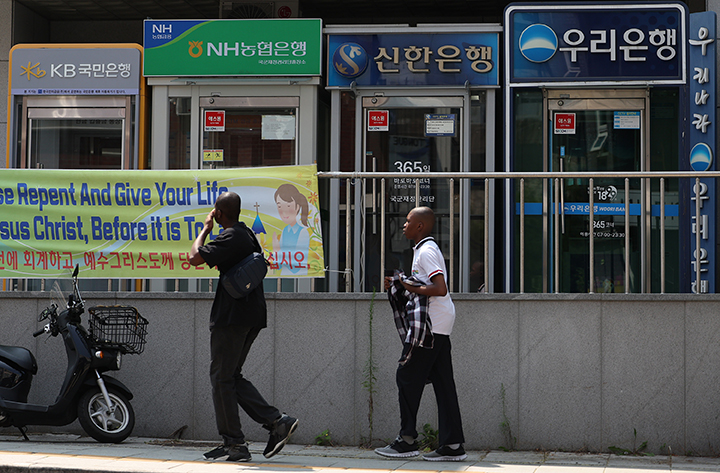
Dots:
{"x": 234, "y": 325}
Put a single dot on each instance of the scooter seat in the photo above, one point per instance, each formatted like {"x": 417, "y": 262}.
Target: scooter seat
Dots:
{"x": 22, "y": 357}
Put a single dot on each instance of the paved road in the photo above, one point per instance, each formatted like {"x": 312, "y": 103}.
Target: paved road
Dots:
{"x": 48, "y": 453}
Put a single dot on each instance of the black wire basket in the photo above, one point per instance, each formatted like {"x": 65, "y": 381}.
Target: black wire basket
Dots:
{"x": 118, "y": 326}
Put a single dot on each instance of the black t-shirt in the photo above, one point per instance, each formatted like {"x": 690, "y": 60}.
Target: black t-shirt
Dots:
{"x": 225, "y": 251}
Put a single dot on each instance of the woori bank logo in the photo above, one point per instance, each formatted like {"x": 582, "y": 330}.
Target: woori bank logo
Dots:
{"x": 538, "y": 43}
{"x": 700, "y": 157}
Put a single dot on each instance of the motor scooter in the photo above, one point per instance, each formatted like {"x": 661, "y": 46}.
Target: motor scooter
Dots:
{"x": 99, "y": 402}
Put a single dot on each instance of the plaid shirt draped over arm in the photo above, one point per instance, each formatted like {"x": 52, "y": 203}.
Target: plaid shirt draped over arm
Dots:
{"x": 410, "y": 311}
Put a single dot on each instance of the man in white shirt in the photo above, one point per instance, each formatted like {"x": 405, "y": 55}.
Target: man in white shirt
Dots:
{"x": 433, "y": 363}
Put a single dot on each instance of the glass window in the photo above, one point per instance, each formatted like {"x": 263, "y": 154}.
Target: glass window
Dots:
{"x": 478, "y": 141}
{"x": 347, "y": 164}
{"x": 79, "y": 143}
{"x": 179, "y": 133}
{"x": 527, "y": 155}
{"x": 257, "y": 137}
{"x": 601, "y": 142}
{"x": 598, "y": 144}
{"x": 423, "y": 134}
{"x": 664, "y": 156}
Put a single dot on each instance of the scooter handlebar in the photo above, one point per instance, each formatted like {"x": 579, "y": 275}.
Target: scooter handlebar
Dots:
{"x": 39, "y": 332}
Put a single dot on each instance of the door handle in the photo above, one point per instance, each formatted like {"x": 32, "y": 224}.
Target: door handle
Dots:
{"x": 562, "y": 198}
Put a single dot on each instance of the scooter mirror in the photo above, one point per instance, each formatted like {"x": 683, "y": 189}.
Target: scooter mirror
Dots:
{"x": 76, "y": 271}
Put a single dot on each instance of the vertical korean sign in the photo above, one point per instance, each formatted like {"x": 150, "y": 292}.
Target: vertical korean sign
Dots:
{"x": 141, "y": 224}
{"x": 702, "y": 136}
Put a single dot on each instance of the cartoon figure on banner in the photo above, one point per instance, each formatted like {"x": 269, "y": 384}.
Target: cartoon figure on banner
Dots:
{"x": 293, "y": 244}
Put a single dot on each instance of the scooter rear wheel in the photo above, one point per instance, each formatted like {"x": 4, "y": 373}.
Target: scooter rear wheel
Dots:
{"x": 101, "y": 423}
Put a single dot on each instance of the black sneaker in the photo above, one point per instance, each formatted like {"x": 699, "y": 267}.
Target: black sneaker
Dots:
{"x": 238, "y": 453}
{"x": 399, "y": 449}
{"x": 217, "y": 452}
{"x": 280, "y": 433}
{"x": 446, "y": 454}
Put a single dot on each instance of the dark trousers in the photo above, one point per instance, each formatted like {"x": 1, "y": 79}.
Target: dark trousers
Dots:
{"x": 433, "y": 364}
{"x": 229, "y": 347}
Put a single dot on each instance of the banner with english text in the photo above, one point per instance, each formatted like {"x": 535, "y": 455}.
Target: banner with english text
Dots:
{"x": 141, "y": 224}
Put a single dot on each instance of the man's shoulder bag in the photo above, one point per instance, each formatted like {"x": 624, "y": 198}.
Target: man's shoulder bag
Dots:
{"x": 248, "y": 274}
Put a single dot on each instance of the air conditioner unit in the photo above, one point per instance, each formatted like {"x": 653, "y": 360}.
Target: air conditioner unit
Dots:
{"x": 247, "y": 10}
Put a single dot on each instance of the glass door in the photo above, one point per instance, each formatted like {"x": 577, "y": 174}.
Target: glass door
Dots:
{"x": 248, "y": 131}
{"x": 241, "y": 132}
{"x": 409, "y": 135}
{"x": 76, "y": 133}
{"x": 603, "y": 134}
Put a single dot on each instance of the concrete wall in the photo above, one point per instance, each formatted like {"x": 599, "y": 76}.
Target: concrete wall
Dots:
{"x": 578, "y": 372}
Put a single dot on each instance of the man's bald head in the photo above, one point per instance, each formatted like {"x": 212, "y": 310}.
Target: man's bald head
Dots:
{"x": 229, "y": 204}
{"x": 426, "y": 216}
{"x": 419, "y": 223}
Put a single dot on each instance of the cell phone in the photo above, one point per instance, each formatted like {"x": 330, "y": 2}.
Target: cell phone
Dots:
{"x": 390, "y": 272}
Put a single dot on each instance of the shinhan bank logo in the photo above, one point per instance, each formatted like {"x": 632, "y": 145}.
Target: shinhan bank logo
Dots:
{"x": 350, "y": 60}
{"x": 538, "y": 43}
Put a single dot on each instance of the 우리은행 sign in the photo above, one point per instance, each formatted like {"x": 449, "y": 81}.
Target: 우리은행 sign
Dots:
{"x": 595, "y": 42}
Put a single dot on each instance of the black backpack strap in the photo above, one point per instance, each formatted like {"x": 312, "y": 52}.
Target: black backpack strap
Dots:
{"x": 258, "y": 248}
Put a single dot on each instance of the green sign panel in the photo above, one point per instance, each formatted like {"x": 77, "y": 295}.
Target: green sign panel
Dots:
{"x": 280, "y": 47}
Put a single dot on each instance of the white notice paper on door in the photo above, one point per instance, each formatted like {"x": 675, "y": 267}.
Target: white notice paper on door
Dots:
{"x": 278, "y": 127}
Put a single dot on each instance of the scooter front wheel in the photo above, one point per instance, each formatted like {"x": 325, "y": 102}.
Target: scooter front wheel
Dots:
{"x": 105, "y": 424}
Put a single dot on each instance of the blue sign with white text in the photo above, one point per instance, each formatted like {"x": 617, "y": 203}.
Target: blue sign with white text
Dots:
{"x": 398, "y": 60}
{"x": 702, "y": 68}
{"x": 595, "y": 43}
{"x": 161, "y": 32}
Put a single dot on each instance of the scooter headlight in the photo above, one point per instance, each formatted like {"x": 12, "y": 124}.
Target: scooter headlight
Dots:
{"x": 110, "y": 359}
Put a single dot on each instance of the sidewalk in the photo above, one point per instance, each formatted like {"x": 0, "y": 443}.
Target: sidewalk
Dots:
{"x": 49, "y": 453}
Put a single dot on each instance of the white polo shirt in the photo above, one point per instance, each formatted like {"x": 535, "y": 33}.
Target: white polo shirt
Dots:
{"x": 427, "y": 262}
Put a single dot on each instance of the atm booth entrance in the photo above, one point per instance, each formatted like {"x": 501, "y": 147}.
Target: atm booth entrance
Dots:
{"x": 590, "y": 90}
{"x": 76, "y": 133}
{"x": 598, "y": 131}
{"x": 410, "y": 100}
{"x": 76, "y": 107}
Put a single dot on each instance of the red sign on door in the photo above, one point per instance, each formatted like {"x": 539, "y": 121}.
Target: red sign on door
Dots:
{"x": 214, "y": 120}
{"x": 564, "y": 124}
{"x": 378, "y": 120}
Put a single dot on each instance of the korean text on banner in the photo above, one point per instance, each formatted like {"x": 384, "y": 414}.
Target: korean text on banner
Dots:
{"x": 141, "y": 224}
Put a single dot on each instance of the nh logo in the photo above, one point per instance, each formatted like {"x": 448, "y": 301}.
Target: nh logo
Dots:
{"x": 162, "y": 28}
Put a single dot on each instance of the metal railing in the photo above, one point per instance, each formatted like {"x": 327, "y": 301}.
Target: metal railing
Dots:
{"x": 506, "y": 178}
